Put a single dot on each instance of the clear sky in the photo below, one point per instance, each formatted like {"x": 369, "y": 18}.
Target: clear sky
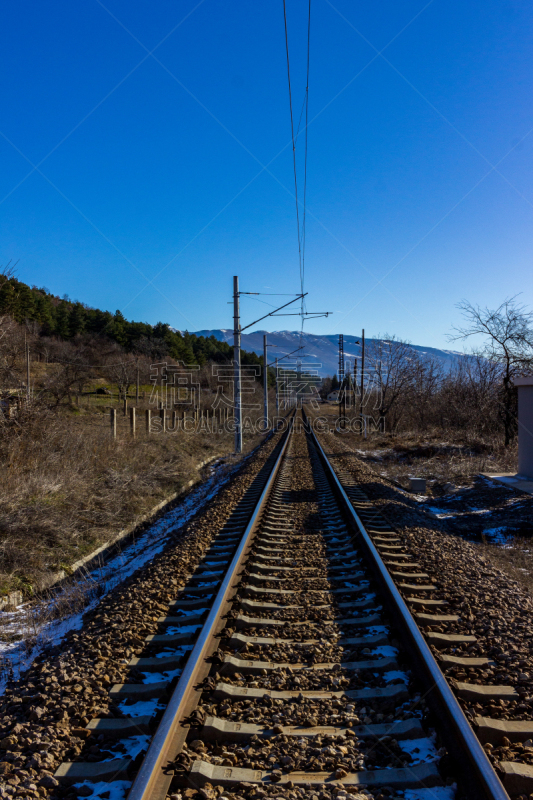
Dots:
{"x": 146, "y": 158}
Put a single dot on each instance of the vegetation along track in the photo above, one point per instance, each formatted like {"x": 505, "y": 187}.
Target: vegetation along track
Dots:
{"x": 309, "y": 676}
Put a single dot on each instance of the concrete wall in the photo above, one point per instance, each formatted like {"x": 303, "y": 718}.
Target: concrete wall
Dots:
{"x": 525, "y": 426}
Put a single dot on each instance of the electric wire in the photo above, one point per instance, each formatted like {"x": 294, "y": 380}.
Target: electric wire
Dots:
{"x": 301, "y": 229}
{"x": 293, "y": 139}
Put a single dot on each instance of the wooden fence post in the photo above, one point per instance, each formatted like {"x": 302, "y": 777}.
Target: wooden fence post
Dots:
{"x": 113, "y": 421}
{"x": 132, "y": 421}
{"x": 163, "y": 417}
{"x": 148, "y": 414}
{"x": 125, "y": 405}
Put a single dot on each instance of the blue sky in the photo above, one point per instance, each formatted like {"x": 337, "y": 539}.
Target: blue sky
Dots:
{"x": 161, "y": 136}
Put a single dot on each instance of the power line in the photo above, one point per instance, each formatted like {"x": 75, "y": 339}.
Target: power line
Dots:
{"x": 305, "y": 148}
{"x": 301, "y": 229}
{"x": 293, "y": 142}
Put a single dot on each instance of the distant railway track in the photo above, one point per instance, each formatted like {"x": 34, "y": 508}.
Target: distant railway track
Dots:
{"x": 299, "y": 660}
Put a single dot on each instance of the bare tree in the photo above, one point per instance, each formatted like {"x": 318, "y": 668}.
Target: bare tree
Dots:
{"x": 392, "y": 366}
{"x": 426, "y": 380}
{"x": 69, "y": 372}
{"x": 508, "y": 341}
{"x": 121, "y": 369}
{"x": 11, "y": 353}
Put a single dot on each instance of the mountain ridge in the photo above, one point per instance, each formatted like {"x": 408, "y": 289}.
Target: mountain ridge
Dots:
{"x": 321, "y": 351}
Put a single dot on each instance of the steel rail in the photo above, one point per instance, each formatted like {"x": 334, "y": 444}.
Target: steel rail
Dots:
{"x": 158, "y": 754}
{"x": 465, "y": 743}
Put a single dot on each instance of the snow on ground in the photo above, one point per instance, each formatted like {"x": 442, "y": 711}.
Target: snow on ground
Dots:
{"x": 419, "y": 749}
{"x": 498, "y": 535}
{"x": 435, "y": 793}
{"x": 182, "y": 629}
{"x": 25, "y": 623}
{"x": 156, "y": 677}
{"x": 187, "y": 612}
{"x": 128, "y": 748}
{"x": 440, "y": 513}
{"x": 394, "y": 675}
{"x": 385, "y": 650}
{"x": 114, "y": 790}
{"x": 142, "y": 708}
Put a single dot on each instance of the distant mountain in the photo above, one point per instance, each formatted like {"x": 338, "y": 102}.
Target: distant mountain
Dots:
{"x": 321, "y": 352}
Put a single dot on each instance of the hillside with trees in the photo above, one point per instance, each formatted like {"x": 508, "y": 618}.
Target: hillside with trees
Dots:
{"x": 67, "y": 484}
{"x": 69, "y": 320}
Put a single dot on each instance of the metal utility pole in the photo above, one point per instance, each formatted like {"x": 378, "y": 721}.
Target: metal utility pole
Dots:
{"x": 362, "y": 376}
{"x": 342, "y": 405}
{"x": 113, "y": 422}
{"x": 354, "y": 382}
{"x": 237, "y": 365}
{"x": 277, "y": 395}
{"x": 265, "y": 380}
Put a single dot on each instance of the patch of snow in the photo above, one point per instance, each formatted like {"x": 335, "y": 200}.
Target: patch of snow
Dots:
{"x": 441, "y": 513}
{"x": 385, "y": 650}
{"x": 395, "y": 675}
{"x": 497, "y": 535}
{"x": 376, "y": 629}
{"x": 182, "y": 629}
{"x": 156, "y": 677}
{"x": 420, "y": 750}
{"x": 187, "y": 612}
{"x": 129, "y": 748}
{"x": 436, "y": 793}
{"x": 114, "y": 790}
{"x": 142, "y": 708}
{"x": 349, "y": 585}
{"x": 180, "y": 651}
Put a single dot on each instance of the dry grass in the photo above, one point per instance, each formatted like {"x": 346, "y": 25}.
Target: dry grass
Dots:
{"x": 67, "y": 486}
{"x": 442, "y": 457}
{"x": 515, "y": 559}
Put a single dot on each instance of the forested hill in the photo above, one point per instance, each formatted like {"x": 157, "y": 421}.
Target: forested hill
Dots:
{"x": 70, "y": 320}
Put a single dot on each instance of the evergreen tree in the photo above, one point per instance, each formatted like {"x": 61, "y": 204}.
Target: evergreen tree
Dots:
{"x": 118, "y": 328}
{"x": 7, "y": 297}
{"x": 77, "y": 321}
{"x": 24, "y": 308}
{"x": 46, "y": 314}
{"x": 62, "y": 321}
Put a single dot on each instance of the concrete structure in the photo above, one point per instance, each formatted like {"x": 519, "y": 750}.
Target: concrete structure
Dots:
{"x": 523, "y": 480}
{"x": 525, "y": 426}
{"x": 335, "y": 397}
{"x": 417, "y": 485}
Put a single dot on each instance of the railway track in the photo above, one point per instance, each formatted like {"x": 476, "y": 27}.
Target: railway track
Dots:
{"x": 292, "y": 664}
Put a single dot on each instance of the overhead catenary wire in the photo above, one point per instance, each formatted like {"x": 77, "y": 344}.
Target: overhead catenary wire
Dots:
{"x": 306, "y": 141}
{"x": 293, "y": 140}
{"x": 305, "y": 107}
